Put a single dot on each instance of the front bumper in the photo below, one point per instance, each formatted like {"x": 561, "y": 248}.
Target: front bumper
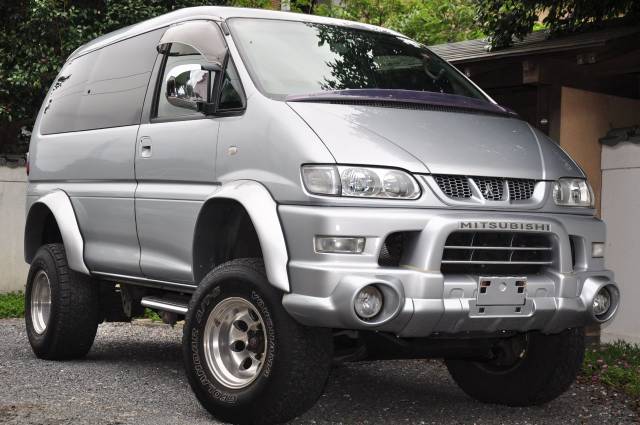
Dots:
{"x": 422, "y": 300}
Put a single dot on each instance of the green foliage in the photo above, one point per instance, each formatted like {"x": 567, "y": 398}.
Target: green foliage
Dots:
{"x": 429, "y": 22}
{"x": 376, "y": 12}
{"x": 11, "y": 305}
{"x": 258, "y": 4}
{"x": 506, "y": 19}
{"x": 152, "y": 315}
{"x": 616, "y": 365}
{"x": 438, "y": 21}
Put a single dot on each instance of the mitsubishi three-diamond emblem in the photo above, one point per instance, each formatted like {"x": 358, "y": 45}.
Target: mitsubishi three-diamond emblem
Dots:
{"x": 488, "y": 191}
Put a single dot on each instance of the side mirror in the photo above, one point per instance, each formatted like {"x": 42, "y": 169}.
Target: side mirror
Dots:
{"x": 189, "y": 86}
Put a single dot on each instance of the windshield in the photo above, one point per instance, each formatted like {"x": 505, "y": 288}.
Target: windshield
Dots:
{"x": 293, "y": 58}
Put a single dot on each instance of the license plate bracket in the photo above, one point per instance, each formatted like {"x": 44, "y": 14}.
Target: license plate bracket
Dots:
{"x": 501, "y": 290}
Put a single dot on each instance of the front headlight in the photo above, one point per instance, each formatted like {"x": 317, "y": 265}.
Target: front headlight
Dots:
{"x": 361, "y": 182}
{"x": 573, "y": 193}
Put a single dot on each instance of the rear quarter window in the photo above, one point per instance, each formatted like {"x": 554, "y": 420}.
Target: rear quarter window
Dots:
{"x": 104, "y": 88}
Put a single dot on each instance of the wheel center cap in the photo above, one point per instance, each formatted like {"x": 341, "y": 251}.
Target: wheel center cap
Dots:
{"x": 254, "y": 342}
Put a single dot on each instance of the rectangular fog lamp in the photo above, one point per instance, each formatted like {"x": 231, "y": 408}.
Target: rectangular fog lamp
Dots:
{"x": 597, "y": 249}
{"x": 339, "y": 244}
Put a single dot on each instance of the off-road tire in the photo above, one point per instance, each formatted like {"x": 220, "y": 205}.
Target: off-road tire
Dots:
{"x": 549, "y": 367}
{"x": 298, "y": 358}
{"x": 75, "y": 308}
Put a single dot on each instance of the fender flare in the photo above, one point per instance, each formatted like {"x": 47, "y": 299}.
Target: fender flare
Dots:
{"x": 59, "y": 204}
{"x": 263, "y": 211}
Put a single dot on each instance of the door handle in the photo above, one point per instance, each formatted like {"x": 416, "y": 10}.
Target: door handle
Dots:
{"x": 145, "y": 147}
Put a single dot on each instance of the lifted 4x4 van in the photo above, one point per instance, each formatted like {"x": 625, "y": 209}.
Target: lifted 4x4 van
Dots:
{"x": 305, "y": 190}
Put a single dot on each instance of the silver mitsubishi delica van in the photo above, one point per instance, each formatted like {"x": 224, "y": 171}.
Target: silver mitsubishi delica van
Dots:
{"x": 304, "y": 190}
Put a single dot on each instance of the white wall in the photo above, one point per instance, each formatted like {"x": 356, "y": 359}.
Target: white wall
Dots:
{"x": 621, "y": 211}
{"x": 13, "y": 269}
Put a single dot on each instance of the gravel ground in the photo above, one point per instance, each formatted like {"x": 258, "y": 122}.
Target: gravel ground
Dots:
{"x": 134, "y": 374}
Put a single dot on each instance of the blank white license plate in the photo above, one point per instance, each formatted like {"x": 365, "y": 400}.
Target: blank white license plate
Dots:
{"x": 501, "y": 290}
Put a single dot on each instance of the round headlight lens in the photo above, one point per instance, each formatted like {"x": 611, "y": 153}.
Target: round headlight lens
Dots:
{"x": 602, "y": 302}
{"x": 360, "y": 182}
{"x": 368, "y": 302}
{"x": 398, "y": 185}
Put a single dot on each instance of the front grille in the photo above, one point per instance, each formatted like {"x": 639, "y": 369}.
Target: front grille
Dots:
{"x": 491, "y": 188}
{"x": 521, "y": 189}
{"x": 454, "y": 186}
{"x": 496, "y": 252}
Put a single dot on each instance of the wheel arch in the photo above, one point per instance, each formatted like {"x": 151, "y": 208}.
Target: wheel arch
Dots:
{"x": 238, "y": 215}
{"x": 51, "y": 218}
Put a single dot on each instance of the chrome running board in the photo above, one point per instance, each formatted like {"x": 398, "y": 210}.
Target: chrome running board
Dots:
{"x": 172, "y": 306}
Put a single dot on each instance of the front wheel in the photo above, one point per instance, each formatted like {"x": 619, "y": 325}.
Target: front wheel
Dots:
{"x": 526, "y": 370}
{"x": 246, "y": 359}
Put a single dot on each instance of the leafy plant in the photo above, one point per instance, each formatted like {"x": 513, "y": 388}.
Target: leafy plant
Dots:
{"x": 152, "y": 315}
{"x": 11, "y": 305}
{"x": 437, "y": 21}
{"x": 616, "y": 365}
{"x": 430, "y": 22}
{"x": 505, "y": 20}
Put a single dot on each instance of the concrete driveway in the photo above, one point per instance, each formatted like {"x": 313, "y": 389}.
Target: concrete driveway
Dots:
{"x": 134, "y": 375}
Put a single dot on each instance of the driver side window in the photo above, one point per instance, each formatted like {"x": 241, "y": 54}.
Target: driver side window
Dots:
{"x": 183, "y": 84}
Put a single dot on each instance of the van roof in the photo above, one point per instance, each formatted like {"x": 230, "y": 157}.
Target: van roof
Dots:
{"x": 218, "y": 13}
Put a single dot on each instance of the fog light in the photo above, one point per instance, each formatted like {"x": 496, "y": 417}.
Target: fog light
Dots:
{"x": 368, "y": 302}
{"x": 602, "y": 302}
{"x": 597, "y": 250}
{"x": 339, "y": 245}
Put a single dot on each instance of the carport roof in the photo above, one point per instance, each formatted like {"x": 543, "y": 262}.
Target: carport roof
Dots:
{"x": 535, "y": 43}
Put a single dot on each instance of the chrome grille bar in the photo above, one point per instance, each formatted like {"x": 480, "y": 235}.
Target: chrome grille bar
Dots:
{"x": 501, "y": 248}
{"x": 497, "y": 262}
{"x": 496, "y": 252}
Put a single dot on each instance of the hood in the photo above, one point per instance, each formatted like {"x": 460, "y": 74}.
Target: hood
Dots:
{"x": 437, "y": 140}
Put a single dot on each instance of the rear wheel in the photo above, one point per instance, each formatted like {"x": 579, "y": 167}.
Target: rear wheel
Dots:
{"x": 526, "y": 370}
{"x": 246, "y": 359}
{"x": 61, "y": 307}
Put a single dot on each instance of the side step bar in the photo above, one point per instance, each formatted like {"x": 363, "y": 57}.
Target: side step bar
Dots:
{"x": 161, "y": 304}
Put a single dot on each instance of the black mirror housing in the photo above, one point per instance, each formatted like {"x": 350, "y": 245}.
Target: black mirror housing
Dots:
{"x": 207, "y": 108}
{"x": 211, "y": 67}
{"x": 210, "y": 107}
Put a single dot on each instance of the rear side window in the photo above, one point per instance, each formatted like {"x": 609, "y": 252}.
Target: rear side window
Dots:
{"x": 102, "y": 89}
